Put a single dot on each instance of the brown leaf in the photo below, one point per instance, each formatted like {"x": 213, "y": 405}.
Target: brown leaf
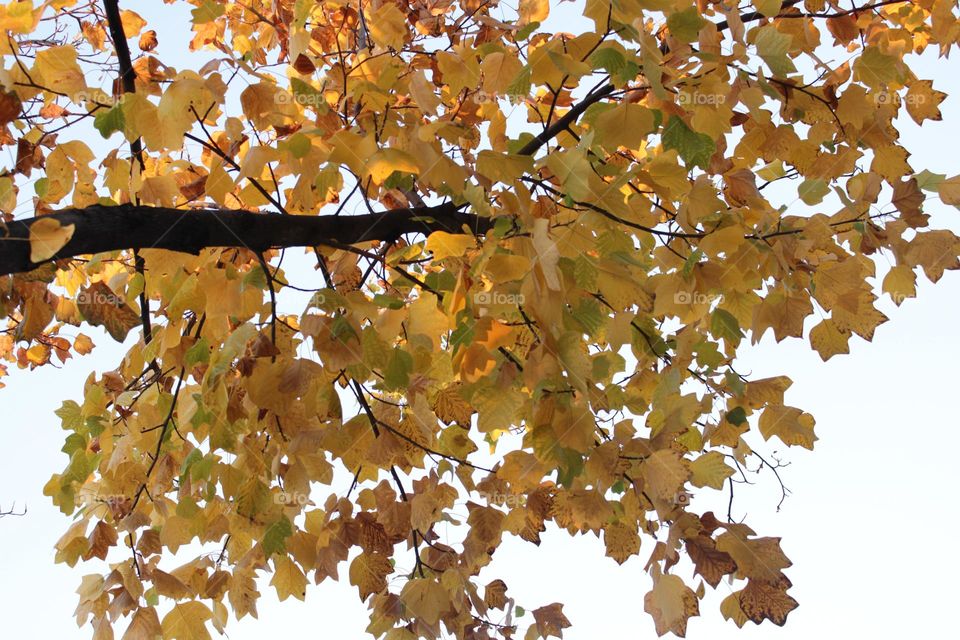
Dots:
{"x": 762, "y": 600}
{"x": 550, "y": 620}
{"x": 148, "y": 40}
{"x": 495, "y": 594}
{"x": 711, "y": 564}
{"x": 145, "y": 625}
{"x": 101, "y": 307}
{"x": 622, "y": 541}
{"x": 101, "y": 539}
{"x": 10, "y": 107}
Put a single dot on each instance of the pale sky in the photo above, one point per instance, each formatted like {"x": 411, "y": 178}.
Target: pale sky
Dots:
{"x": 870, "y": 525}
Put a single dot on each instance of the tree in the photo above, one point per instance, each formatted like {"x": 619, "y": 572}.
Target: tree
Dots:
{"x": 565, "y": 240}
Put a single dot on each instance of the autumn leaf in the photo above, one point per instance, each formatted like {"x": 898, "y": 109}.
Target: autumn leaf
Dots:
{"x": 101, "y": 307}
{"x": 186, "y": 621}
{"x": 47, "y": 237}
{"x": 672, "y": 604}
{"x": 368, "y": 572}
{"x": 791, "y": 425}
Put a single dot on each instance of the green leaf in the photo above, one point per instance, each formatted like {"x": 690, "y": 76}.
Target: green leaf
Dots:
{"x": 812, "y": 191}
{"x": 396, "y": 375}
{"x": 773, "y": 46}
{"x": 207, "y": 12}
{"x": 71, "y": 417}
{"x": 694, "y": 148}
{"x": 929, "y": 181}
{"x": 737, "y": 416}
{"x": 199, "y": 352}
{"x": 525, "y": 32}
{"x": 685, "y": 25}
{"x": 608, "y": 59}
{"x": 110, "y": 121}
{"x": 724, "y": 325}
{"x": 299, "y": 145}
{"x": 519, "y": 88}
{"x": 275, "y": 537}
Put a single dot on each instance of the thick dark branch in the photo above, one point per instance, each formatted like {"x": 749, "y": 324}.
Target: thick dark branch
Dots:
{"x": 99, "y": 229}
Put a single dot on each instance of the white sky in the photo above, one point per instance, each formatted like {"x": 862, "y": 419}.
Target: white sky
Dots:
{"x": 870, "y": 525}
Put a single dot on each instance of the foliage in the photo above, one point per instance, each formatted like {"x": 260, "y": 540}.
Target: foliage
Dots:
{"x": 552, "y": 344}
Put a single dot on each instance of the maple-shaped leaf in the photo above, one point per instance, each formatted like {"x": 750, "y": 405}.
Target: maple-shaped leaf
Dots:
{"x": 145, "y": 625}
{"x": 288, "y": 579}
{"x": 101, "y": 307}
{"x": 671, "y": 603}
{"x": 711, "y": 563}
{"x": 368, "y": 573}
{"x": 791, "y": 425}
{"x": 550, "y": 621}
{"x": 621, "y": 541}
{"x": 761, "y": 601}
{"x": 47, "y": 237}
{"x": 186, "y": 621}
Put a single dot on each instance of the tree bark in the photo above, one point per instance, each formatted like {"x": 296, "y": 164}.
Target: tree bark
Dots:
{"x": 99, "y": 229}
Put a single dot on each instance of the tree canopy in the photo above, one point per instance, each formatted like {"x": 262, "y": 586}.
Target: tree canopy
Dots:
{"x": 534, "y": 256}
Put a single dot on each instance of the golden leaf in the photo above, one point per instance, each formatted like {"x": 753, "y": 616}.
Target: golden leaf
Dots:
{"x": 47, "y": 237}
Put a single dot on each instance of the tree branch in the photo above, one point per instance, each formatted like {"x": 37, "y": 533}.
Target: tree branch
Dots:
{"x": 99, "y": 229}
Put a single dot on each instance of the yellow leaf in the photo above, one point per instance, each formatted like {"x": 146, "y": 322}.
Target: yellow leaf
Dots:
{"x": 443, "y": 245}
{"x": 671, "y": 603}
{"x": 368, "y": 573}
{"x": 730, "y": 608}
{"x": 505, "y": 267}
{"x": 503, "y": 167}
{"x": 145, "y": 625}
{"x": 621, "y": 540}
{"x": 132, "y": 23}
{"x": 499, "y": 71}
{"x": 923, "y": 101}
{"x": 19, "y": 17}
{"x": 423, "y": 93}
{"x": 186, "y": 621}
{"x": 47, "y": 237}
{"x": 828, "y": 340}
{"x": 664, "y": 473}
{"x": 59, "y": 71}
{"x": 949, "y": 191}
{"x": 533, "y": 11}
{"x": 626, "y": 125}
{"x": 710, "y": 470}
{"x": 900, "y": 283}
{"x": 386, "y": 161}
{"x": 791, "y": 425}
{"x": 388, "y": 26}
{"x": 82, "y": 344}
{"x": 425, "y": 598}
{"x": 288, "y": 579}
